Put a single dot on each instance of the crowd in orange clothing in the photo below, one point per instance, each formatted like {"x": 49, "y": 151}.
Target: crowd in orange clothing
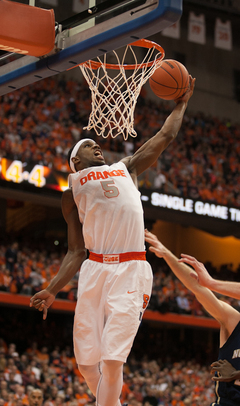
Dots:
{"x": 147, "y": 382}
{"x": 26, "y": 271}
{"x": 39, "y": 123}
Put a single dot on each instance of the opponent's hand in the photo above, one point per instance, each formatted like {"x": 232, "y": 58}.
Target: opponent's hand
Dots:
{"x": 42, "y": 301}
{"x": 186, "y": 96}
{"x": 226, "y": 372}
{"x": 201, "y": 274}
{"x": 155, "y": 245}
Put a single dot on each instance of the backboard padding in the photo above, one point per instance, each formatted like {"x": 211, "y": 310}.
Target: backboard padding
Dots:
{"x": 92, "y": 42}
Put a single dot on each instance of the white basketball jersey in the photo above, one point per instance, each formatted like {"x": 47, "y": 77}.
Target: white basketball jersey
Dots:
{"x": 110, "y": 209}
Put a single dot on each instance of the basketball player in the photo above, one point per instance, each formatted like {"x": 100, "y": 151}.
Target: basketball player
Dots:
{"x": 225, "y": 371}
{"x": 227, "y": 393}
{"x": 104, "y": 214}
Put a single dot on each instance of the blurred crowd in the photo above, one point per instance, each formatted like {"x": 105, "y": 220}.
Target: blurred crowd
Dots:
{"x": 146, "y": 382}
{"x": 39, "y": 124}
{"x": 25, "y": 270}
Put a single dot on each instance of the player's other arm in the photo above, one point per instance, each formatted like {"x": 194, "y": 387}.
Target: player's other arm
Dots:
{"x": 72, "y": 261}
{"x": 226, "y": 315}
{"x": 231, "y": 289}
{"x": 225, "y": 371}
{"x": 76, "y": 253}
{"x": 149, "y": 152}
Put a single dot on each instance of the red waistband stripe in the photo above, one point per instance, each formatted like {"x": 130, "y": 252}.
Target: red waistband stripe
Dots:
{"x": 117, "y": 258}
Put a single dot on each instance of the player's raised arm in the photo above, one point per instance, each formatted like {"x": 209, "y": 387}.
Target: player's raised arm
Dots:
{"x": 226, "y": 288}
{"x": 149, "y": 152}
{"x": 221, "y": 311}
{"x": 72, "y": 261}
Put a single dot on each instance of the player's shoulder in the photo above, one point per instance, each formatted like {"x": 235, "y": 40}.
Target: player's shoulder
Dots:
{"x": 231, "y": 316}
{"x": 68, "y": 202}
{"x": 132, "y": 171}
{"x": 67, "y": 194}
{"x": 126, "y": 161}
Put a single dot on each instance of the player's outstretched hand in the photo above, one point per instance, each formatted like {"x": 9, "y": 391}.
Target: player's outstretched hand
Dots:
{"x": 155, "y": 245}
{"x": 42, "y": 301}
{"x": 186, "y": 96}
{"x": 226, "y": 372}
{"x": 201, "y": 273}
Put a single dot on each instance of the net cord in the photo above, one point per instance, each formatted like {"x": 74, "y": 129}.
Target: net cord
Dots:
{"x": 114, "y": 99}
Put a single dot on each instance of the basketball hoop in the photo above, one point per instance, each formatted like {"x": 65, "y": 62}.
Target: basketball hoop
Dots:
{"x": 114, "y": 97}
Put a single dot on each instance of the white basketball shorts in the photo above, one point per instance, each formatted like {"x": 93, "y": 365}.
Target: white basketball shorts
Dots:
{"x": 110, "y": 305}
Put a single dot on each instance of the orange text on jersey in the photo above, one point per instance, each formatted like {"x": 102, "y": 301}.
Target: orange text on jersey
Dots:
{"x": 95, "y": 175}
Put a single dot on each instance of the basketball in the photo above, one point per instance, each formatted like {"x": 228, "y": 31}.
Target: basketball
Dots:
{"x": 170, "y": 81}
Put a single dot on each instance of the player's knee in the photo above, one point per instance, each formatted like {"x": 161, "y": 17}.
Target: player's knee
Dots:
{"x": 112, "y": 364}
{"x": 86, "y": 370}
{"x": 112, "y": 368}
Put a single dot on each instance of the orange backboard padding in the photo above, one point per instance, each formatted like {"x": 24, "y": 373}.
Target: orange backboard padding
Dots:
{"x": 26, "y": 29}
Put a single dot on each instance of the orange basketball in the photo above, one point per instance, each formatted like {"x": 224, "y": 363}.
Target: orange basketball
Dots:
{"x": 170, "y": 81}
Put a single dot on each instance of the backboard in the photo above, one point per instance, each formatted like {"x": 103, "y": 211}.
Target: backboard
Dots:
{"x": 94, "y": 28}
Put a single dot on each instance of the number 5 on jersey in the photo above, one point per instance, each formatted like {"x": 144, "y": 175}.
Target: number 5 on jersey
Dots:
{"x": 109, "y": 189}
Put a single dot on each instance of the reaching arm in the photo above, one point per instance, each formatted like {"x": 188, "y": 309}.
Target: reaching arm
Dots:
{"x": 221, "y": 311}
{"x": 149, "y": 152}
{"x": 231, "y": 289}
{"x": 72, "y": 261}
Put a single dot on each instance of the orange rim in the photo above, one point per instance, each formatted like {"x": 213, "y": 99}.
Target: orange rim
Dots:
{"x": 145, "y": 43}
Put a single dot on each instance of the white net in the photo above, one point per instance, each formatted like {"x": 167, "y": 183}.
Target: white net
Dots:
{"x": 115, "y": 87}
